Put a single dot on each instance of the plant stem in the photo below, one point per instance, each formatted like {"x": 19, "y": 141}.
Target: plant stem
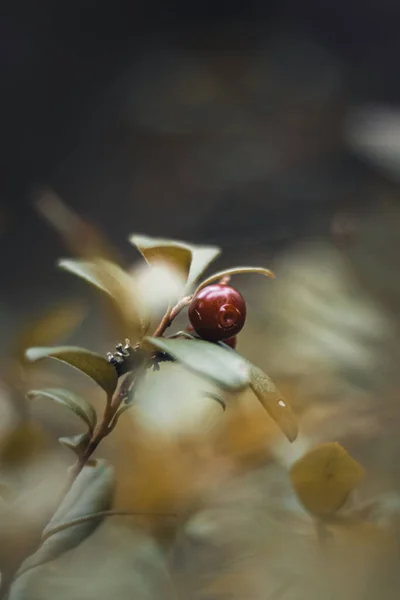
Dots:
{"x": 221, "y": 275}
{"x": 170, "y": 315}
{"x": 91, "y": 517}
{"x": 225, "y": 280}
{"x": 101, "y": 515}
{"x": 103, "y": 428}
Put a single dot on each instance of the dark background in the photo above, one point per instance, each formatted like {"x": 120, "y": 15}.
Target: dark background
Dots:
{"x": 65, "y": 73}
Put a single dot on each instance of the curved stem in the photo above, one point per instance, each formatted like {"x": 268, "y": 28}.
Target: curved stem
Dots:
{"x": 101, "y": 515}
{"x": 164, "y": 323}
{"x": 84, "y": 519}
{"x": 103, "y": 428}
{"x": 229, "y": 272}
{"x": 171, "y": 314}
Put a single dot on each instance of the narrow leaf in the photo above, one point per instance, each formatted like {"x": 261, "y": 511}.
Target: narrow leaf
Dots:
{"x": 227, "y": 369}
{"x": 324, "y": 477}
{"x": 91, "y": 492}
{"x": 273, "y": 402}
{"x": 190, "y": 259}
{"x": 123, "y": 408}
{"x": 87, "y": 270}
{"x": 92, "y": 364}
{"x": 153, "y": 250}
{"x": 235, "y": 271}
{"x": 202, "y": 257}
{"x": 76, "y": 443}
{"x": 118, "y": 285}
{"x": 78, "y": 405}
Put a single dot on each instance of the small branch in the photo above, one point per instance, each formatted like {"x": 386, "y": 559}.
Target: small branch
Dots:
{"x": 170, "y": 315}
{"x": 101, "y": 515}
{"x": 108, "y": 421}
{"x": 225, "y": 280}
{"x": 164, "y": 324}
{"x": 112, "y": 405}
{"x": 103, "y": 429}
{"x": 229, "y": 272}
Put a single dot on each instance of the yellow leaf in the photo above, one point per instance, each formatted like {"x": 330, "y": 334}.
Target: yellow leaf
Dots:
{"x": 273, "y": 402}
{"x": 119, "y": 286}
{"x": 324, "y": 477}
{"x": 93, "y": 365}
{"x": 190, "y": 260}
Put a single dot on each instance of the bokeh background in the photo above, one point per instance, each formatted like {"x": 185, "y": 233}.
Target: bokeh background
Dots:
{"x": 271, "y": 129}
{"x": 226, "y": 123}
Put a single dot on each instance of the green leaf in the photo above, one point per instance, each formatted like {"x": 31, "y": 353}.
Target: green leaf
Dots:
{"x": 183, "y": 334}
{"x": 91, "y": 492}
{"x": 190, "y": 259}
{"x": 76, "y": 443}
{"x": 94, "y": 365}
{"x": 86, "y": 270}
{"x": 235, "y": 271}
{"x": 78, "y": 405}
{"x": 119, "y": 285}
{"x": 202, "y": 257}
{"x": 227, "y": 369}
{"x": 273, "y": 402}
{"x": 123, "y": 408}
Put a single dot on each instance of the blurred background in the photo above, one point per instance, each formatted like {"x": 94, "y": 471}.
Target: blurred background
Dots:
{"x": 269, "y": 128}
{"x": 239, "y": 124}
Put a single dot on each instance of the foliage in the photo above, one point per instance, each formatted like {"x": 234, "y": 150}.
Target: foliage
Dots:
{"x": 322, "y": 479}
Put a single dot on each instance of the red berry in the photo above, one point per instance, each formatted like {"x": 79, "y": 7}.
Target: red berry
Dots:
{"x": 217, "y": 312}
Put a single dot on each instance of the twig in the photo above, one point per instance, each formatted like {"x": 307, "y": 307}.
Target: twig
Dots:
{"x": 101, "y": 515}
{"x": 112, "y": 405}
{"x": 170, "y": 315}
{"x": 103, "y": 429}
{"x": 106, "y": 425}
{"x": 229, "y": 272}
{"x": 225, "y": 280}
{"x": 84, "y": 519}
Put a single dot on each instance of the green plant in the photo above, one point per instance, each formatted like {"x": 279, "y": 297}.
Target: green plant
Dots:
{"x": 88, "y": 495}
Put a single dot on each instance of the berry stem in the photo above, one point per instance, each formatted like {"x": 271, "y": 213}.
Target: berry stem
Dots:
{"x": 229, "y": 272}
{"x": 225, "y": 280}
{"x": 170, "y": 315}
